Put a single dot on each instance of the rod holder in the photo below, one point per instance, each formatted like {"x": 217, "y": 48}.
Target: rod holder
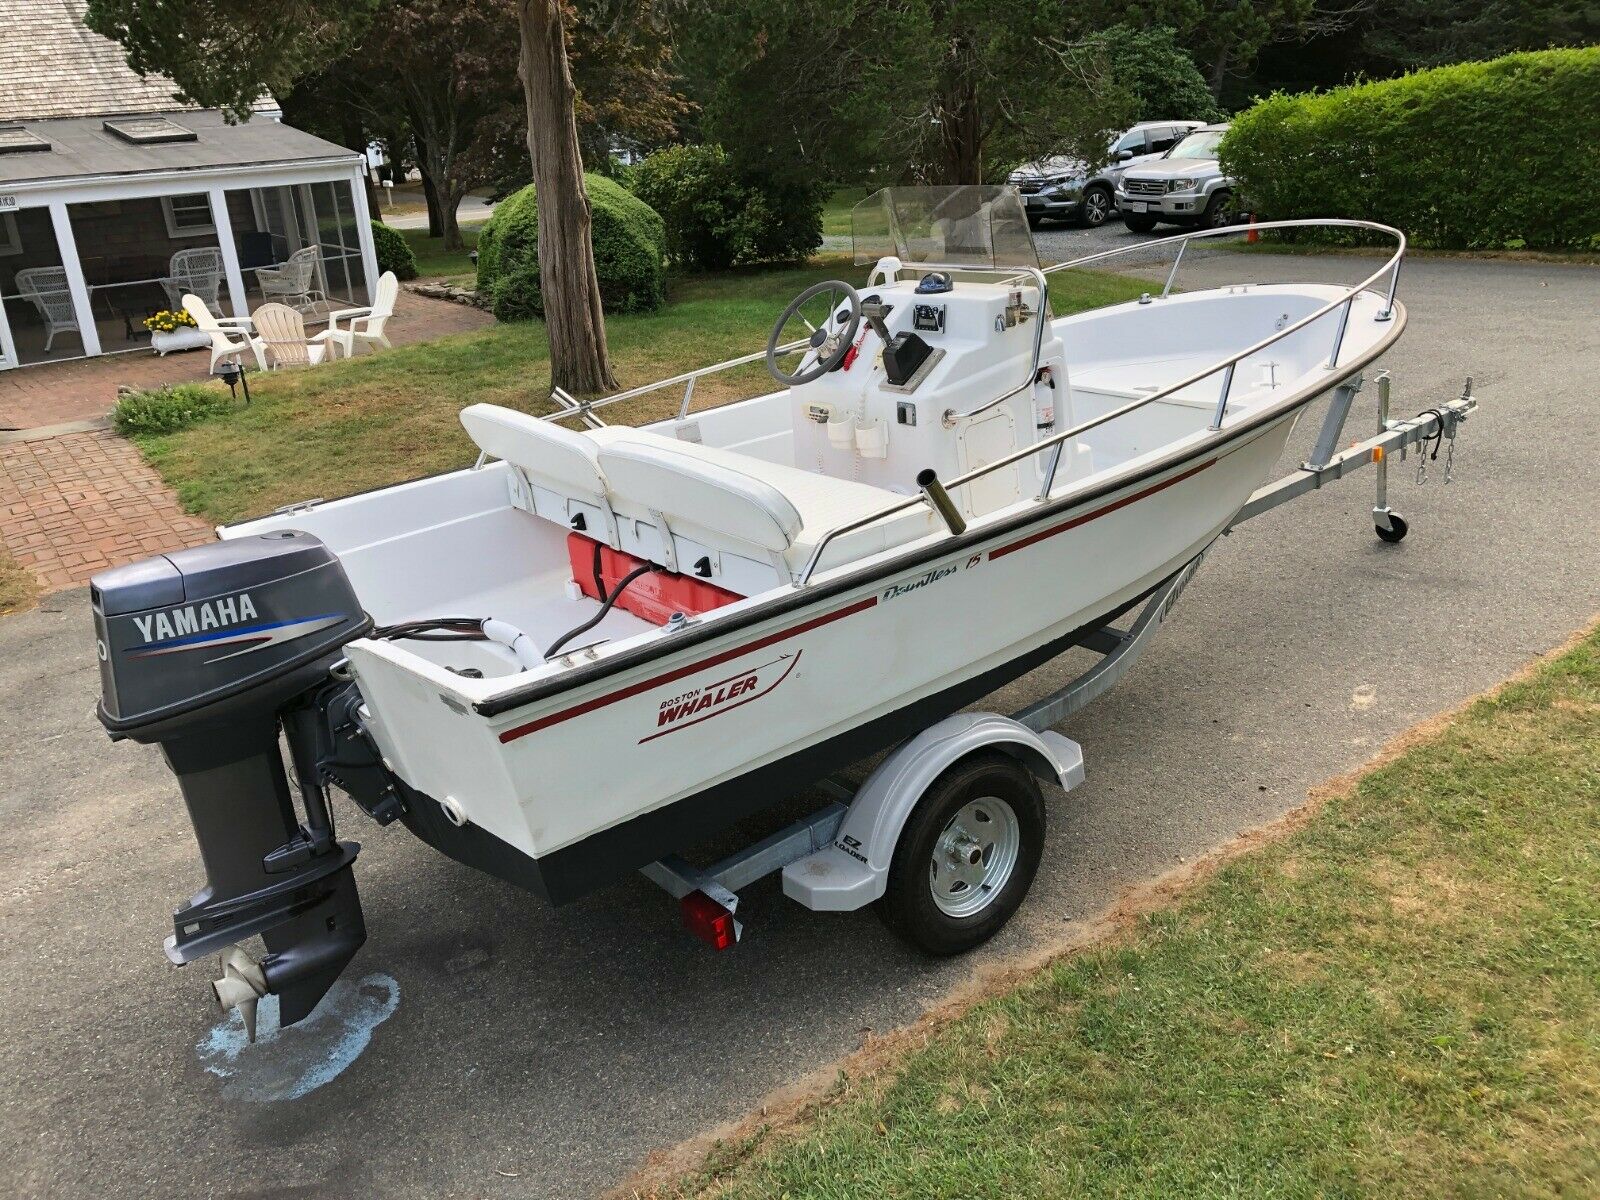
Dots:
{"x": 928, "y": 481}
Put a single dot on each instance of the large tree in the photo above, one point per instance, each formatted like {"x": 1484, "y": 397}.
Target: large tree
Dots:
{"x": 227, "y": 53}
{"x": 938, "y": 91}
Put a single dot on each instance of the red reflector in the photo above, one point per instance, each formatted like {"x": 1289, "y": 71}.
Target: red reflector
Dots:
{"x": 708, "y": 921}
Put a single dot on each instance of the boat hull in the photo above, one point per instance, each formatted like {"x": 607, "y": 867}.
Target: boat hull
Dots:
{"x": 571, "y": 791}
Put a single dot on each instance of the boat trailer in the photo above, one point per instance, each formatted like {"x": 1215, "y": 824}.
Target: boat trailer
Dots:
{"x": 839, "y": 857}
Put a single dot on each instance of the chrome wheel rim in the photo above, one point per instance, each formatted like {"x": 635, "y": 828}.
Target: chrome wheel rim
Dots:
{"x": 1096, "y": 208}
{"x": 974, "y": 856}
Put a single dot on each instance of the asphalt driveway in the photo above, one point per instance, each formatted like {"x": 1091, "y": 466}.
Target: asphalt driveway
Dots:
{"x": 517, "y": 1050}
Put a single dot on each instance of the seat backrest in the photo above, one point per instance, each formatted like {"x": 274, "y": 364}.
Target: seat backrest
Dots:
{"x": 284, "y": 331}
{"x": 556, "y": 475}
{"x": 204, "y": 321}
{"x": 387, "y": 292}
{"x": 547, "y": 452}
{"x": 706, "y": 500}
{"x": 203, "y": 265}
{"x": 47, "y": 288}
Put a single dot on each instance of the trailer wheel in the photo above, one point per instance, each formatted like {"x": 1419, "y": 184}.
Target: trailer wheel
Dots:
{"x": 1396, "y": 532}
{"x": 967, "y": 855}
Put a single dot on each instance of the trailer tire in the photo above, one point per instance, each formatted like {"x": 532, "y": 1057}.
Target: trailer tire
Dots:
{"x": 943, "y": 915}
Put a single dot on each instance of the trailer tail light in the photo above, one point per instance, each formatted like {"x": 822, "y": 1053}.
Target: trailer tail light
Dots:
{"x": 709, "y": 921}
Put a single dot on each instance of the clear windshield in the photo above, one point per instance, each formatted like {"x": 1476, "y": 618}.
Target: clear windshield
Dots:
{"x": 969, "y": 225}
{"x": 1197, "y": 145}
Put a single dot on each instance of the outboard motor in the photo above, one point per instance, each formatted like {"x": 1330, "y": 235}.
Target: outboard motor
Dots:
{"x": 207, "y": 652}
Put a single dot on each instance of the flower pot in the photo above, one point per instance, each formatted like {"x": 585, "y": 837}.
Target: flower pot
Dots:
{"x": 178, "y": 339}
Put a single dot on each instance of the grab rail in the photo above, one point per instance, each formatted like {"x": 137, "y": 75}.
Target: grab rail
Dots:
{"x": 1391, "y": 266}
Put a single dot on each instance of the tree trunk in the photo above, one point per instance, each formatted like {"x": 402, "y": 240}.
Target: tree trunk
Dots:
{"x": 961, "y": 126}
{"x": 435, "y": 221}
{"x": 1219, "y": 73}
{"x": 449, "y": 201}
{"x": 572, "y": 313}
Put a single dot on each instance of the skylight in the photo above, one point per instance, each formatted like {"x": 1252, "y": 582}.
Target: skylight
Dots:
{"x": 14, "y": 139}
{"x": 149, "y": 131}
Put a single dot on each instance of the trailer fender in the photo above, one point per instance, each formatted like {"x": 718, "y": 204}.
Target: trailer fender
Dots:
{"x": 853, "y": 870}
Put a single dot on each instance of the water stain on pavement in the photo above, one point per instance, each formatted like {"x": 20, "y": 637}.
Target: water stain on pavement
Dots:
{"x": 286, "y": 1064}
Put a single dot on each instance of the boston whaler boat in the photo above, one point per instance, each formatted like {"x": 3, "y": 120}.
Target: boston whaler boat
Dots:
{"x": 599, "y": 646}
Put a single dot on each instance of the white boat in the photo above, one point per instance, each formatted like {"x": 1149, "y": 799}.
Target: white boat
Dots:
{"x": 952, "y": 488}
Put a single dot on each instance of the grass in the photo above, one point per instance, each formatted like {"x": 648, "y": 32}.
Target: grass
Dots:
{"x": 1402, "y": 998}
{"x": 435, "y": 262}
{"x": 19, "y": 587}
{"x": 384, "y": 418}
{"x": 836, "y": 212}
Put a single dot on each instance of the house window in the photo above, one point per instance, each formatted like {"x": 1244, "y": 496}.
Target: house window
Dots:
{"x": 188, "y": 216}
{"x": 10, "y": 240}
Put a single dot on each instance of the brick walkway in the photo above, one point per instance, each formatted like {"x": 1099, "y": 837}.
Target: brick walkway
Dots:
{"x": 86, "y": 388}
{"x": 77, "y": 504}
{"x": 73, "y": 504}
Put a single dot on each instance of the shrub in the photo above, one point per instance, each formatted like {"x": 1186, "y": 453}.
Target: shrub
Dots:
{"x": 168, "y": 409}
{"x": 394, "y": 252}
{"x": 1475, "y": 156}
{"x": 716, "y": 218}
{"x": 629, "y": 249}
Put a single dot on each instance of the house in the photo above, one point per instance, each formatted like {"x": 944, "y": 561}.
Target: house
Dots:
{"x": 116, "y": 199}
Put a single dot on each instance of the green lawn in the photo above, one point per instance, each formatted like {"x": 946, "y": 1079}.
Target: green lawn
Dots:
{"x": 384, "y": 418}
{"x": 435, "y": 262}
{"x": 1400, "y": 999}
{"x": 836, "y": 212}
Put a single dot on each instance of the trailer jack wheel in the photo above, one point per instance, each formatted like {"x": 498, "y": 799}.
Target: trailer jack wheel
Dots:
{"x": 1396, "y": 531}
{"x": 967, "y": 855}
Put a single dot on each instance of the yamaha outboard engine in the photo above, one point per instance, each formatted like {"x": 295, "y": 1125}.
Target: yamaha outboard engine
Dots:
{"x": 207, "y": 652}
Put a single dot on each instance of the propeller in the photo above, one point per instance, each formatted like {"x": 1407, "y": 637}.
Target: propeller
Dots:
{"x": 242, "y": 985}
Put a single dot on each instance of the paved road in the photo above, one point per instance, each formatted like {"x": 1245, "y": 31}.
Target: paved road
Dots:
{"x": 474, "y": 209}
{"x": 542, "y": 1053}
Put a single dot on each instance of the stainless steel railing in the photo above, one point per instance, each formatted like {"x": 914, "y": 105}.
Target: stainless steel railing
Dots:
{"x": 1226, "y": 366}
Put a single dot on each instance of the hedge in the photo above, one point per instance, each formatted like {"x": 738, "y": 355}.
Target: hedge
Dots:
{"x": 717, "y": 219}
{"x": 1484, "y": 155}
{"x": 629, "y": 252}
{"x": 394, "y": 252}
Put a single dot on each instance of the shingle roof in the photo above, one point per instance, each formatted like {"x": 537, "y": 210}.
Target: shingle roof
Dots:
{"x": 51, "y": 65}
{"x": 82, "y": 147}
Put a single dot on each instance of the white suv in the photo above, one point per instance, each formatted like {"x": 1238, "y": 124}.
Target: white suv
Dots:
{"x": 1064, "y": 189}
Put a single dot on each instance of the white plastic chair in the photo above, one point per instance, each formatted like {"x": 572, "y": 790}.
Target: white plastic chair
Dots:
{"x": 283, "y": 331}
{"x": 365, "y": 326}
{"x": 194, "y": 272}
{"x": 230, "y": 336}
{"x": 295, "y": 282}
{"x": 46, "y": 289}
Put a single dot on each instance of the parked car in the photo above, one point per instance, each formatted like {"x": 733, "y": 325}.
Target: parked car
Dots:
{"x": 1185, "y": 186}
{"x": 1065, "y": 189}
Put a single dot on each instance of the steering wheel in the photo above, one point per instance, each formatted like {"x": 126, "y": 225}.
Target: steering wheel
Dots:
{"x": 827, "y": 342}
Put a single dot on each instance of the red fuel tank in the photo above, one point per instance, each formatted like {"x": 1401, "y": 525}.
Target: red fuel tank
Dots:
{"x": 653, "y": 597}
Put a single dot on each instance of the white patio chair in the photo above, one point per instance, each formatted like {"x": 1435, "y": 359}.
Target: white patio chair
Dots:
{"x": 283, "y": 331}
{"x": 365, "y": 325}
{"x": 230, "y": 336}
{"x": 296, "y": 282}
{"x": 46, "y": 289}
{"x": 194, "y": 272}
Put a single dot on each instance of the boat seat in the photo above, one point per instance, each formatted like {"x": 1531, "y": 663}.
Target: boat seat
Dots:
{"x": 758, "y": 522}
{"x": 735, "y": 502}
{"x": 555, "y": 472}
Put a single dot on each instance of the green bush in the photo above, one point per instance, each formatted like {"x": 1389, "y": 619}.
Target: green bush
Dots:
{"x": 716, "y": 219}
{"x": 394, "y": 252}
{"x": 1480, "y": 155}
{"x": 629, "y": 252}
{"x": 168, "y": 409}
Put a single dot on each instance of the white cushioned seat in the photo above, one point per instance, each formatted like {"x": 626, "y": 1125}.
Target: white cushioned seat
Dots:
{"x": 557, "y": 475}
{"x": 717, "y": 494}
